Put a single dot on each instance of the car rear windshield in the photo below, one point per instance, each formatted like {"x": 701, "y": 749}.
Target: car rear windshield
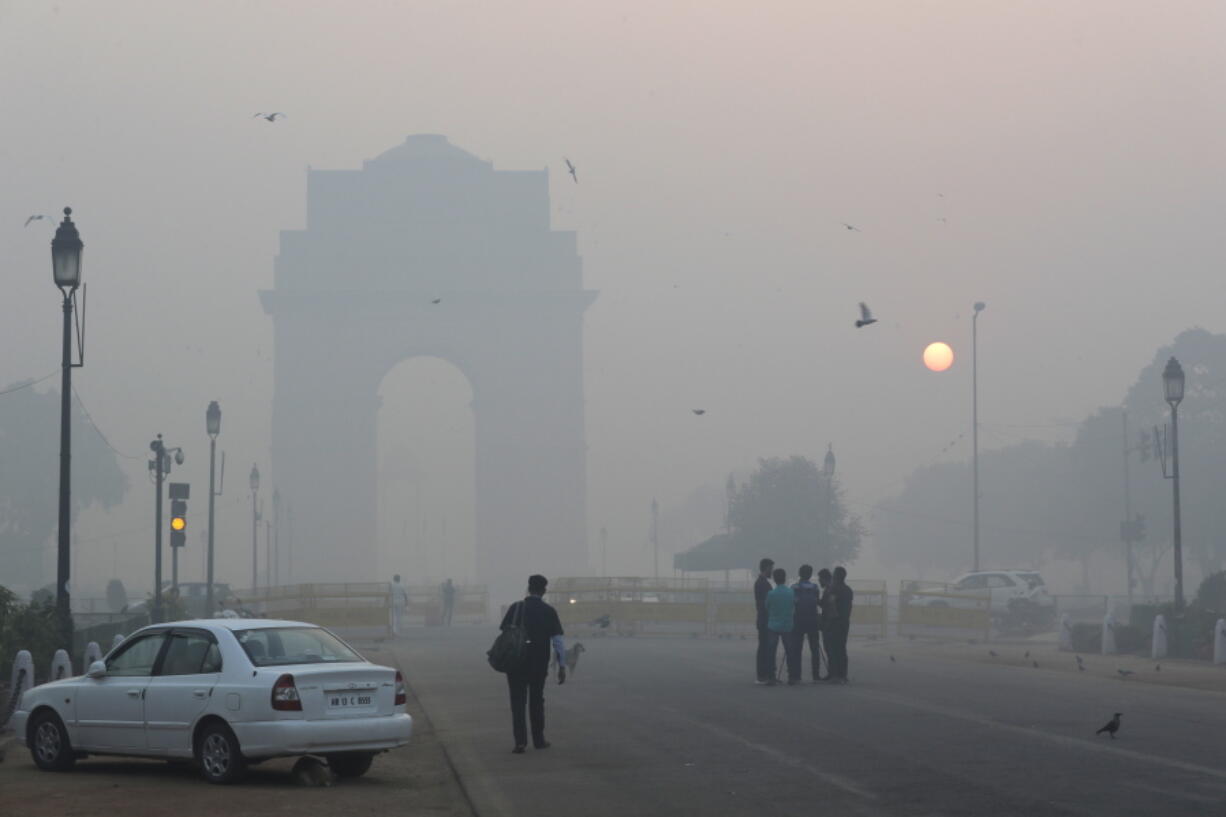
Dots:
{"x": 1032, "y": 579}
{"x": 275, "y": 646}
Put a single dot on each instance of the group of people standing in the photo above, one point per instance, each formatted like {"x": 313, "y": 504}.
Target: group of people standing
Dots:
{"x": 819, "y": 613}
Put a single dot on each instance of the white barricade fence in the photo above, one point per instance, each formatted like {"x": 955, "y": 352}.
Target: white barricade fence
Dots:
{"x": 1219, "y": 641}
{"x": 1159, "y": 648}
{"x": 1066, "y": 633}
{"x": 1109, "y": 634}
{"x": 92, "y": 653}
{"x": 61, "y": 666}
{"x": 21, "y": 679}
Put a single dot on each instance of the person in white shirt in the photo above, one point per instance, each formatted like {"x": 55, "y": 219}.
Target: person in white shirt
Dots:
{"x": 398, "y": 602}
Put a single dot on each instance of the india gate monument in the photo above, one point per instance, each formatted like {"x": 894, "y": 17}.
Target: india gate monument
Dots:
{"x": 359, "y": 290}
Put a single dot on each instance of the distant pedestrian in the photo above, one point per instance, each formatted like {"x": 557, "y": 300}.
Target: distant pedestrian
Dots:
{"x": 398, "y": 604}
{"x": 761, "y": 587}
{"x": 840, "y": 628}
{"x": 808, "y": 621}
{"x": 448, "y": 591}
{"x": 527, "y": 684}
{"x": 781, "y": 617}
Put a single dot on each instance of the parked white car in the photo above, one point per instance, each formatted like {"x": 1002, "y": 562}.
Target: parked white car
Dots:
{"x": 224, "y": 692}
{"x": 1008, "y": 588}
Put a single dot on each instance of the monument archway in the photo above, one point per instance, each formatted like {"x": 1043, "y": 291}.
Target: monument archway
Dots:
{"x": 429, "y": 251}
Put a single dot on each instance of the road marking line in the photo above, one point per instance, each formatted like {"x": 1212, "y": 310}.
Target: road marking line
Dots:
{"x": 838, "y": 781}
{"x": 1026, "y": 731}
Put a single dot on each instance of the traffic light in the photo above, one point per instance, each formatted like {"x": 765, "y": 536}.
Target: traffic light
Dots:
{"x": 178, "y": 523}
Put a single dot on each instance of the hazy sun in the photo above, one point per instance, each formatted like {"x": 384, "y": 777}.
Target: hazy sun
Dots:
{"x": 938, "y": 356}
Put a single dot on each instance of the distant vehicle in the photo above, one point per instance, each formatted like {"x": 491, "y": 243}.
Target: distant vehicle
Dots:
{"x": 1018, "y": 598}
{"x": 224, "y": 692}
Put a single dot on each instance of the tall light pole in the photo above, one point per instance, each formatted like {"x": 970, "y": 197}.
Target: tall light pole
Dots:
{"x": 828, "y": 473}
{"x": 276, "y": 537}
{"x": 655, "y": 535}
{"x": 212, "y": 426}
{"x": 1172, "y": 381}
{"x": 979, "y": 307}
{"x": 66, "y": 249}
{"x": 255, "y": 527}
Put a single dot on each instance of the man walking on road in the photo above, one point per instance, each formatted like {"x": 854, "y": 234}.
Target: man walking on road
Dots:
{"x": 840, "y": 628}
{"x": 808, "y": 621}
{"x": 766, "y": 667}
{"x": 527, "y": 684}
{"x": 398, "y": 603}
{"x": 448, "y": 591}
{"x": 781, "y": 615}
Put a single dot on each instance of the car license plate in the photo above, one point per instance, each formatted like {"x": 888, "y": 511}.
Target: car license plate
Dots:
{"x": 350, "y": 700}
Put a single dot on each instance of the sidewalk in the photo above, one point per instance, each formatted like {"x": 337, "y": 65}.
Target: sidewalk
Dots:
{"x": 1044, "y": 651}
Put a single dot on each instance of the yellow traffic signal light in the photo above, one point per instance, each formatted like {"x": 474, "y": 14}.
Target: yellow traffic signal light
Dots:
{"x": 178, "y": 523}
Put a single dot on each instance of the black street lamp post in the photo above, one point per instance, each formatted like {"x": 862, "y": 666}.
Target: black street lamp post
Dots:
{"x": 828, "y": 473}
{"x": 66, "y": 250}
{"x": 276, "y": 537}
{"x": 1173, "y": 382}
{"x": 212, "y": 425}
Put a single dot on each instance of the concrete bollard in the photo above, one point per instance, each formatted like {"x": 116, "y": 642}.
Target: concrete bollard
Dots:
{"x": 1219, "y": 641}
{"x": 92, "y": 653}
{"x": 61, "y": 666}
{"x": 1109, "y": 634}
{"x": 117, "y": 640}
{"x": 1159, "y": 649}
{"x": 21, "y": 680}
{"x": 1066, "y": 633}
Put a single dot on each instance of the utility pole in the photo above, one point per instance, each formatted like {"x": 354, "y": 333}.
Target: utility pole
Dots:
{"x": 655, "y": 535}
{"x": 255, "y": 527}
{"x": 268, "y": 554}
{"x": 1128, "y": 528}
{"x": 604, "y": 551}
{"x": 160, "y": 466}
{"x": 276, "y": 537}
{"x": 979, "y": 307}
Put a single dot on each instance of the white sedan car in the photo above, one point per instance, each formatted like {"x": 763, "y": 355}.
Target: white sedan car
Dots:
{"x": 224, "y": 692}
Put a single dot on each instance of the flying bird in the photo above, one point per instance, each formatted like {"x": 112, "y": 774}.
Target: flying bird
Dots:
{"x": 699, "y": 412}
{"x": 570, "y": 168}
{"x": 851, "y": 227}
{"x": 892, "y": 661}
{"x": 36, "y": 217}
{"x": 271, "y": 117}
{"x": 866, "y": 316}
{"x": 1112, "y": 726}
{"x": 437, "y": 301}
{"x": 1124, "y": 673}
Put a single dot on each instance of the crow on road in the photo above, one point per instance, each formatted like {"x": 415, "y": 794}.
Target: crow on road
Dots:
{"x": 1112, "y": 726}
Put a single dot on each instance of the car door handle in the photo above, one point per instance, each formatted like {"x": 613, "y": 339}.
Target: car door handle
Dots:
{"x": 133, "y": 693}
{"x": 200, "y": 693}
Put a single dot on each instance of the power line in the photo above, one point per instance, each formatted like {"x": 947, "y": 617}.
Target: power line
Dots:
{"x": 94, "y": 426}
{"x": 28, "y": 383}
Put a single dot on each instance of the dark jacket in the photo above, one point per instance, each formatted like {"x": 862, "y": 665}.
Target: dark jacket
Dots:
{"x": 541, "y": 622}
{"x": 843, "y": 597}
{"x": 760, "y": 588}
{"x": 808, "y": 597}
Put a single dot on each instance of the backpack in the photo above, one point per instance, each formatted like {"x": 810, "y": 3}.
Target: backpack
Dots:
{"x": 510, "y": 650}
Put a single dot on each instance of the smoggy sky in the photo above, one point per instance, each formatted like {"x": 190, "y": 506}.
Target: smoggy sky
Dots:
{"x": 1060, "y": 161}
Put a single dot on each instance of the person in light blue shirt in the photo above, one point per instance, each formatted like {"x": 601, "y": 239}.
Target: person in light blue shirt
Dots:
{"x": 780, "y": 619}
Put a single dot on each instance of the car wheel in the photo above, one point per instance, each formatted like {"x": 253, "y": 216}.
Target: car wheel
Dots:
{"x": 221, "y": 760}
{"x": 49, "y": 744}
{"x": 350, "y": 764}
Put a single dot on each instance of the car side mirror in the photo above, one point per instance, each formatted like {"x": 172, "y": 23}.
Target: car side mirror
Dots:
{"x": 96, "y": 670}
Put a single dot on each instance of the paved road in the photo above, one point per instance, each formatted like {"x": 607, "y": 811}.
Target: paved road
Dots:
{"x": 676, "y": 727}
